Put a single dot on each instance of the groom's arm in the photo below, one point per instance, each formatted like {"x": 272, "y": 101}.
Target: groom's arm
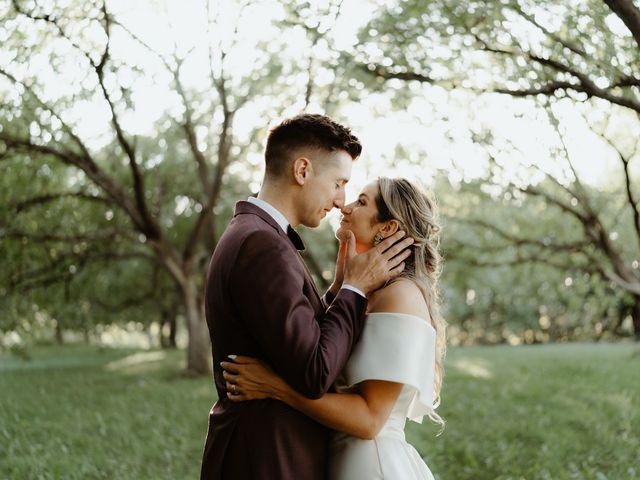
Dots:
{"x": 331, "y": 294}
{"x": 267, "y": 281}
{"x": 328, "y": 298}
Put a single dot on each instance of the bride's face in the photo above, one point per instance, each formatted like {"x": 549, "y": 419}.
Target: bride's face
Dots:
{"x": 360, "y": 217}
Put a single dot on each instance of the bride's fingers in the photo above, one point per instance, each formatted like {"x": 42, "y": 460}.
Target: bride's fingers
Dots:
{"x": 237, "y": 398}
{"x": 241, "y": 359}
{"x": 237, "y": 394}
{"x": 230, "y": 367}
{"x": 234, "y": 389}
{"x": 233, "y": 379}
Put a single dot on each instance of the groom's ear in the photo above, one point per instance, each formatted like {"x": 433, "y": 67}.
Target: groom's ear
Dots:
{"x": 390, "y": 227}
{"x": 301, "y": 170}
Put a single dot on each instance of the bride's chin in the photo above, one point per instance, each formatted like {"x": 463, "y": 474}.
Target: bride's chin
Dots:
{"x": 341, "y": 234}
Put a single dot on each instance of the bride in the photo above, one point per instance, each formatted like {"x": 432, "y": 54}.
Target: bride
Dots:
{"x": 395, "y": 370}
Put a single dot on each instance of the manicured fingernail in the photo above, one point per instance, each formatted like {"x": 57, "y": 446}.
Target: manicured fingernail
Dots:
{"x": 232, "y": 357}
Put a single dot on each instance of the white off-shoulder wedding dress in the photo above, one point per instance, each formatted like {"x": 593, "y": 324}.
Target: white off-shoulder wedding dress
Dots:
{"x": 397, "y": 348}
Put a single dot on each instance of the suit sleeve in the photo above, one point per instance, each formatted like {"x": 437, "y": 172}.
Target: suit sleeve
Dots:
{"x": 268, "y": 281}
{"x": 327, "y": 299}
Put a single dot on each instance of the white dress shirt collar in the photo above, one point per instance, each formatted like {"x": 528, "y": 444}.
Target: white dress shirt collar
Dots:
{"x": 284, "y": 223}
{"x": 272, "y": 211}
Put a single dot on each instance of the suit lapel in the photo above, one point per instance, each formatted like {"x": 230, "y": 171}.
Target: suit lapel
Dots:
{"x": 244, "y": 207}
{"x": 310, "y": 277}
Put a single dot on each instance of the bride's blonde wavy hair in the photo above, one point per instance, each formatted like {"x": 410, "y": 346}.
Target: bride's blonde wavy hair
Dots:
{"x": 416, "y": 213}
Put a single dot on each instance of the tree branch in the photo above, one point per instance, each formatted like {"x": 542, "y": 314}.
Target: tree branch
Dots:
{"x": 142, "y": 218}
{"x": 50, "y": 109}
{"x": 386, "y": 74}
{"x": 43, "y": 199}
{"x": 53, "y": 237}
{"x": 548, "y": 89}
{"x": 520, "y": 260}
{"x": 33, "y": 279}
{"x": 624, "y": 79}
{"x": 629, "y": 14}
{"x": 514, "y": 240}
{"x": 586, "y": 85}
{"x": 150, "y": 228}
{"x": 632, "y": 202}
{"x": 188, "y": 125}
{"x": 87, "y": 165}
{"x": 538, "y": 192}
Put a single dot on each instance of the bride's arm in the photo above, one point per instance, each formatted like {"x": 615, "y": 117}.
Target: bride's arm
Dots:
{"x": 360, "y": 414}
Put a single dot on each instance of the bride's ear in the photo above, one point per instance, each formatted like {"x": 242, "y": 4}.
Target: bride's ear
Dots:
{"x": 389, "y": 228}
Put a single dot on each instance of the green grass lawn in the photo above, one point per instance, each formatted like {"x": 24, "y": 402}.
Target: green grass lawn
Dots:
{"x": 542, "y": 412}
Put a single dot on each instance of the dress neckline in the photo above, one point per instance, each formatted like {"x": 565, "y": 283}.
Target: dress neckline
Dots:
{"x": 422, "y": 320}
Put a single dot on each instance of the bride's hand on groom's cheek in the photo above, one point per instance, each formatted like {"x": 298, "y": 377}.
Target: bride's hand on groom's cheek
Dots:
{"x": 342, "y": 253}
{"x": 248, "y": 379}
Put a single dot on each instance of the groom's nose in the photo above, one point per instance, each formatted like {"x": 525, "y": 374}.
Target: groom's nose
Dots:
{"x": 338, "y": 202}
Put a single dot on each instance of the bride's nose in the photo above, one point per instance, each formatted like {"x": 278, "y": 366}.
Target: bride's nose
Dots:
{"x": 346, "y": 209}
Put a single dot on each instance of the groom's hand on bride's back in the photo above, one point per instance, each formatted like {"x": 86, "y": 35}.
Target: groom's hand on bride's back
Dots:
{"x": 369, "y": 270}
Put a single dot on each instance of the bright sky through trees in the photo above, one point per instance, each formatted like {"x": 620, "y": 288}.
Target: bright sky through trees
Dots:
{"x": 433, "y": 132}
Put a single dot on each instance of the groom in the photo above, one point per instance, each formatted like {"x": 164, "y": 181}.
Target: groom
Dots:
{"x": 262, "y": 302}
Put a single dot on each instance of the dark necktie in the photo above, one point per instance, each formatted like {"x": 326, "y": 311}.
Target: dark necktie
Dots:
{"x": 295, "y": 238}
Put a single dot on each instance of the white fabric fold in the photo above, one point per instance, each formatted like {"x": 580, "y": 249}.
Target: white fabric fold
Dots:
{"x": 398, "y": 348}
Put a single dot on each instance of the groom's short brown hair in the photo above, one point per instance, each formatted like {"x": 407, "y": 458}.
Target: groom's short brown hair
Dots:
{"x": 306, "y": 130}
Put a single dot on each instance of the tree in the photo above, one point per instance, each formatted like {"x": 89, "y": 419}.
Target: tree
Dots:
{"x": 516, "y": 47}
{"x": 580, "y": 52}
{"x": 155, "y": 197}
{"x": 515, "y": 271}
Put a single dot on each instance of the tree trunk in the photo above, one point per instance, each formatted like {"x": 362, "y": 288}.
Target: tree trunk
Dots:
{"x": 173, "y": 328}
{"x": 169, "y": 322}
{"x": 635, "y": 316}
{"x": 198, "y": 348}
{"x": 59, "y": 336}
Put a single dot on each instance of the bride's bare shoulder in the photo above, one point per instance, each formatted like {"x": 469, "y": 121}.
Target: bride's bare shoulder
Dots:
{"x": 400, "y": 296}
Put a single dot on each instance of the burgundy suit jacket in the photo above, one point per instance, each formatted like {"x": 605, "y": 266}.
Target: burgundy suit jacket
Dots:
{"x": 262, "y": 302}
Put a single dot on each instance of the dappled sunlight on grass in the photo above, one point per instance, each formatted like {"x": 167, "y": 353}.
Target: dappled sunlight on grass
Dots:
{"x": 473, "y": 367}
{"x": 137, "y": 362}
{"x": 68, "y": 356}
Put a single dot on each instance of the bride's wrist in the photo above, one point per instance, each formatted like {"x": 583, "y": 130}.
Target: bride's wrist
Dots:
{"x": 282, "y": 392}
{"x": 275, "y": 391}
